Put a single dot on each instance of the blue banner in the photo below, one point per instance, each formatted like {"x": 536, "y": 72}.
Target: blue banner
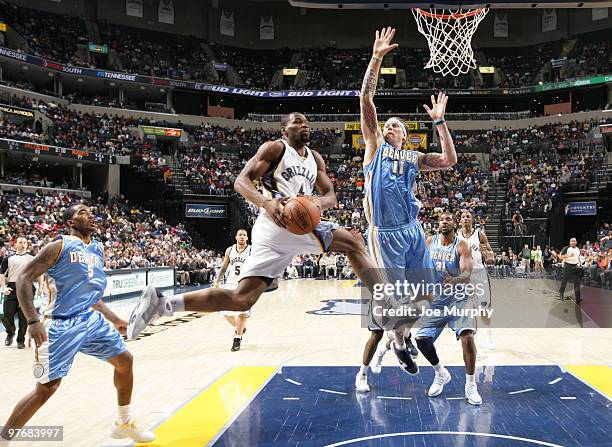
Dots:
{"x": 205, "y": 211}
{"x": 581, "y": 209}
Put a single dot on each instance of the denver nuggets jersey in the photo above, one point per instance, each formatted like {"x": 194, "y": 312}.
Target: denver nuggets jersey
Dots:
{"x": 236, "y": 259}
{"x": 292, "y": 175}
{"x": 474, "y": 242}
{"x": 389, "y": 200}
{"x": 444, "y": 258}
{"x": 76, "y": 280}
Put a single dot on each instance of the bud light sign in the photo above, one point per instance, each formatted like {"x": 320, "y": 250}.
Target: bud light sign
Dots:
{"x": 204, "y": 211}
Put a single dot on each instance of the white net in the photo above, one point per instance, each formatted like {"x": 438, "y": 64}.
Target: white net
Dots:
{"x": 449, "y": 36}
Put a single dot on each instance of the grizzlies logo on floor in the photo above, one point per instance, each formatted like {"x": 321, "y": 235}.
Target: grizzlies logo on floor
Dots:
{"x": 349, "y": 306}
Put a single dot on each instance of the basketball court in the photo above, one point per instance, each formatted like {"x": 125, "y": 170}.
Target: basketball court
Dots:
{"x": 292, "y": 381}
{"x": 546, "y": 382}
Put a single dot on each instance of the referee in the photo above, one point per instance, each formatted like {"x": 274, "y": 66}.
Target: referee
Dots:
{"x": 10, "y": 270}
{"x": 571, "y": 271}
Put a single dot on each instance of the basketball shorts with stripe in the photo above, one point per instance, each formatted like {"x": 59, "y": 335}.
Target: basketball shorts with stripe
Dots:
{"x": 402, "y": 255}
{"x": 88, "y": 333}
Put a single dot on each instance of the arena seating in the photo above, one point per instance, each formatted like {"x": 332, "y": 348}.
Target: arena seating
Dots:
{"x": 187, "y": 58}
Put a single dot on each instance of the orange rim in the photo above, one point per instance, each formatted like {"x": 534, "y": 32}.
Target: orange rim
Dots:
{"x": 453, "y": 16}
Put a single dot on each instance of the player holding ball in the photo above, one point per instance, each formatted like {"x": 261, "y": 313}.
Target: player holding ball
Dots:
{"x": 288, "y": 168}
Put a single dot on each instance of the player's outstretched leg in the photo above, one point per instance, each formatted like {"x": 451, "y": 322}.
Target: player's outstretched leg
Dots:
{"x": 153, "y": 305}
{"x": 125, "y": 426}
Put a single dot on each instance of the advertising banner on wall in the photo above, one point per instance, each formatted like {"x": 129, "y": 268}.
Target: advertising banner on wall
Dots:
{"x": 205, "y": 211}
{"x": 160, "y": 278}
{"x": 129, "y": 282}
{"x": 581, "y": 208}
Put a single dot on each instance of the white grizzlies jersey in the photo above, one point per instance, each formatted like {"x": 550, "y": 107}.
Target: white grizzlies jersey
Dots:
{"x": 474, "y": 242}
{"x": 236, "y": 260}
{"x": 291, "y": 175}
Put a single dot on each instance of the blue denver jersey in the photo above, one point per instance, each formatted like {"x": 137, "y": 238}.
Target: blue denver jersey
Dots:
{"x": 389, "y": 200}
{"x": 78, "y": 278}
{"x": 445, "y": 258}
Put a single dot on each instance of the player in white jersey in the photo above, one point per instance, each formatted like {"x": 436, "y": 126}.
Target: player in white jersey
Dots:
{"x": 235, "y": 257}
{"x": 287, "y": 168}
{"x": 481, "y": 254}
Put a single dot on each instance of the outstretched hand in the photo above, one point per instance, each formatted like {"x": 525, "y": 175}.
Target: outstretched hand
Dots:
{"x": 382, "y": 44}
{"x": 438, "y": 106}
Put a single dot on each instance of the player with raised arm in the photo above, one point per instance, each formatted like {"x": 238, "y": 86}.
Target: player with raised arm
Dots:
{"x": 396, "y": 240}
{"x": 76, "y": 320}
{"x": 235, "y": 257}
{"x": 287, "y": 168}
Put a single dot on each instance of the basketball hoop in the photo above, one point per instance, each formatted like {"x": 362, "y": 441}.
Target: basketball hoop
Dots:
{"x": 449, "y": 36}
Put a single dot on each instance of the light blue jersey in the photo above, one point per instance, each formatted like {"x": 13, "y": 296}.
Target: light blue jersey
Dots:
{"x": 389, "y": 200}
{"x": 78, "y": 280}
{"x": 446, "y": 259}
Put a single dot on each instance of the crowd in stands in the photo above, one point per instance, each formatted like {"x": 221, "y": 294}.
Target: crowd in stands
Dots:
{"x": 255, "y": 68}
{"x": 588, "y": 59}
{"x": 187, "y": 58}
{"x": 132, "y": 237}
{"x": 521, "y": 68}
{"x": 538, "y": 162}
{"x": 51, "y": 36}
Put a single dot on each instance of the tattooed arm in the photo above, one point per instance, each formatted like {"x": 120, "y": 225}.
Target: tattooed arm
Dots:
{"x": 43, "y": 261}
{"x": 448, "y": 157}
{"x": 369, "y": 122}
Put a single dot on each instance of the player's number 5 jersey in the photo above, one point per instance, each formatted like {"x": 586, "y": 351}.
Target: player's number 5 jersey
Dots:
{"x": 236, "y": 261}
{"x": 77, "y": 279}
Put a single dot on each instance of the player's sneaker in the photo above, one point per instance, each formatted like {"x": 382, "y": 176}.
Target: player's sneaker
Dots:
{"x": 414, "y": 352}
{"x": 376, "y": 363}
{"x": 150, "y": 307}
{"x": 440, "y": 379}
{"x": 405, "y": 360}
{"x": 361, "y": 383}
{"x": 471, "y": 393}
{"x": 131, "y": 430}
{"x": 236, "y": 344}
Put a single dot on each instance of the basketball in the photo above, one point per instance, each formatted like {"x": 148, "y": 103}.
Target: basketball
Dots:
{"x": 303, "y": 215}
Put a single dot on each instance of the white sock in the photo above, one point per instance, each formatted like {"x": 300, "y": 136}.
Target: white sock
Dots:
{"x": 382, "y": 349}
{"x": 177, "y": 304}
{"x": 124, "y": 413}
{"x": 363, "y": 370}
{"x": 439, "y": 367}
{"x": 470, "y": 379}
{"x": 399, "y": 344}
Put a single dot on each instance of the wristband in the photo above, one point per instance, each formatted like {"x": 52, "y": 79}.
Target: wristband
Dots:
{"x": 33, "y": 322}
{"x": 440, "y": 121}
{"x": 377, "y": 58}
